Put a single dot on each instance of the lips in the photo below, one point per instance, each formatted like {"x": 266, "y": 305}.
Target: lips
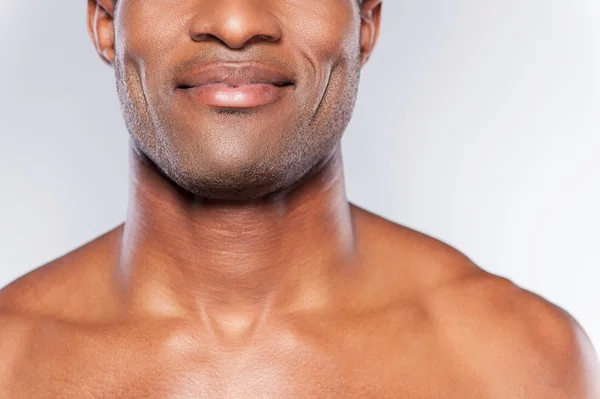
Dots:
{"x": 235, "y": 85}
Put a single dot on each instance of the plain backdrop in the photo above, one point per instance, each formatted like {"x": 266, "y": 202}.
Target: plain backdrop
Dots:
{"x": 478, "y": 122}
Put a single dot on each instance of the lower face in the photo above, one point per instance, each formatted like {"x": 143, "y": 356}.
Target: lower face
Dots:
{"x": 228, "y": 142}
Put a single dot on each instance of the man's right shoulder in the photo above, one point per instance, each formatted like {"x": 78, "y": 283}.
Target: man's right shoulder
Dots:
{"x": 38, "y": 290}
{"x": 22, "y": 303}
{"x": 63, "y": 285}
{"x": 65, "y": 289}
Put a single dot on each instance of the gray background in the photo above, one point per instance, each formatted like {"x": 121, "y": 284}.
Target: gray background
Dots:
{"x": 477, "y": 123}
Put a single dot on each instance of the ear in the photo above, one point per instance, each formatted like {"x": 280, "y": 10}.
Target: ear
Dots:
{"x": 370, "y": 18}
{"x": 101, "y": 29}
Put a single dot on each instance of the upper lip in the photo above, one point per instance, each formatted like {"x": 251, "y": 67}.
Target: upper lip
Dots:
{"x": 235, "y": 74}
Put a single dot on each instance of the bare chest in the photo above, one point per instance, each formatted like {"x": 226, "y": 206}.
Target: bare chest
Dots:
{"x": 257, "y": 373}
{"x": 305, "y": 378}
{"x": 117, "y": 364}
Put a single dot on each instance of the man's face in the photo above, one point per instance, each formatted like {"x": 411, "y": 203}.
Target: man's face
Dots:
{"x": 236, "y": 99}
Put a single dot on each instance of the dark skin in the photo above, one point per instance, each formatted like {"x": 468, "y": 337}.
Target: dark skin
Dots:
{"x": 242, "y": 271}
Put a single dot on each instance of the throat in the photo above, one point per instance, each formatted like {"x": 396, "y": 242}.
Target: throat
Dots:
{"x": 235, "y": 324}
{"x": 180, "y": 254}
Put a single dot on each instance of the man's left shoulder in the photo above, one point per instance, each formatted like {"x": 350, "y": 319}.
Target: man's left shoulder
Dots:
{"x": 514, "y": 342}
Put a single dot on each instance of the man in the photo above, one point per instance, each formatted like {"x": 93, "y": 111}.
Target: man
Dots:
{"x": 241, "y": 270}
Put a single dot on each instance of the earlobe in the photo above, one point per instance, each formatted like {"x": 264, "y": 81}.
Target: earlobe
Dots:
{"x": 366, "y": 38}
{"x": 101, "y": 28}
{"x": 370, "y": 23}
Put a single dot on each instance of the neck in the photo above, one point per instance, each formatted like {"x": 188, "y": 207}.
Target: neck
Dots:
{"x": 181, "y": 252}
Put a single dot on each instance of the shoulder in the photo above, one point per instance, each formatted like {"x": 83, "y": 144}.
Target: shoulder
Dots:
{"x": 515, "y": 343}
{"x": 68, "y": 289}
{"x": 67, "y": 286}
{"x": 15, "y": 335}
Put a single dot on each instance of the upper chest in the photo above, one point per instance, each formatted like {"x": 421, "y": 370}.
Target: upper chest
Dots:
{"x": 124, "y": 363}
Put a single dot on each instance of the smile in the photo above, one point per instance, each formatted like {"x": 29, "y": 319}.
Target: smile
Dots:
{"x": 243, "y": 96}
{"x": 235, "y": 85}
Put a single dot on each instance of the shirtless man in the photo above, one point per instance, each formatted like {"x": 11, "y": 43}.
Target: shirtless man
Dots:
{"x": 241, "y": 270}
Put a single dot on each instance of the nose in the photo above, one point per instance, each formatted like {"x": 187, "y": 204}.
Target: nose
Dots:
{"x": 236, "y": 23}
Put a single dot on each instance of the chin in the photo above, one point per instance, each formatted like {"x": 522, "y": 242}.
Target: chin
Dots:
{"x": 243, "y": 183}
{"x": 231, "y": 190}
{"x": 228, "y": 165}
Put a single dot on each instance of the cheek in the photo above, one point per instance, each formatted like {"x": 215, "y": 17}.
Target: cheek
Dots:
{"x": 146, "y": 36}
{"x": 146, "y": 30}
{"x": 326, "y": 30}
{"x": 327, "y": 33}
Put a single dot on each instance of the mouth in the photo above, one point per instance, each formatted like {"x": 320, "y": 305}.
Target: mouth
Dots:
{"x": 235, "y": 85}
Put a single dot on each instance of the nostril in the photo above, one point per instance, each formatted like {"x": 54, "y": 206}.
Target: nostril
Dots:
{"x": 261, "y": 38}
{"x": 233, "y": 38}
{"x": 202, "y": 37}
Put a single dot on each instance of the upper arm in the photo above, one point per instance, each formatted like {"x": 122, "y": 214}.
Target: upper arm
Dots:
{"x": 582, "y": 366}
{"x": 557, "y": 359}
{"x": 517, "y": 345}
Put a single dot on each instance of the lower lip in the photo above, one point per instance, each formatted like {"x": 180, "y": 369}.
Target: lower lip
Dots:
{"x": 245, "y": 96}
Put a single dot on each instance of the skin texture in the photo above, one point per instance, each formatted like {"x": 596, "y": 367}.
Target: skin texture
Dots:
{"x": 242, "y": 271}
{"x": 247, "y": 153}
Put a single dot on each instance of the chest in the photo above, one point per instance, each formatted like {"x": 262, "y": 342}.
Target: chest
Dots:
{"x": 257, "y": 373}
{"x": 182, "y": 364}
